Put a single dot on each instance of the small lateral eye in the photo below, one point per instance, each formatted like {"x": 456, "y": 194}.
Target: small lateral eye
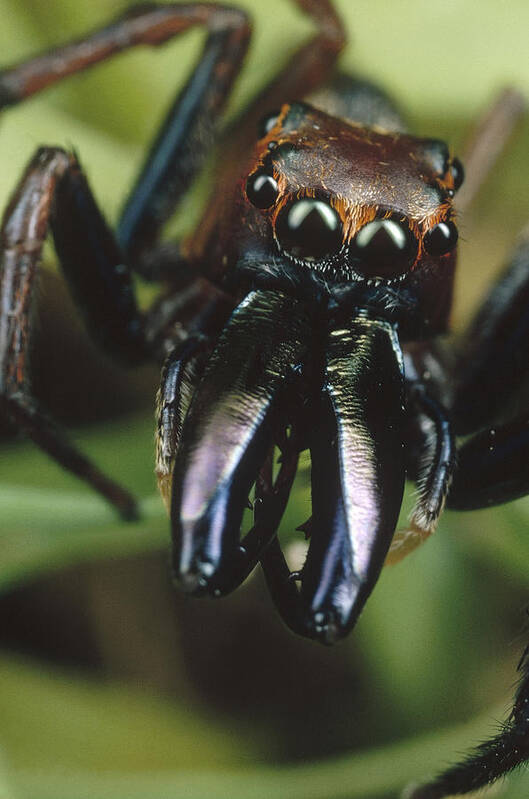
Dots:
{"x": 266, "y": 123}
{"x": 384, "y": 248}
{"x": 309, "y": 229}
{"x": 441, "y": 238}
{"x": 262, "y": 189}
{"x": 457, "y": 172}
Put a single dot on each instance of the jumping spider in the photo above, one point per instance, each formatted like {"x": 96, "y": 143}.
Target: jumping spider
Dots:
{"x": 302, "y": 314}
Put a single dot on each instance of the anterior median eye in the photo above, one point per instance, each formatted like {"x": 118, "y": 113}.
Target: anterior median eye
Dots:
{"x": 309, "y": 229}
{"x": 261, "y": 189}
{"x": 383, "y": 248}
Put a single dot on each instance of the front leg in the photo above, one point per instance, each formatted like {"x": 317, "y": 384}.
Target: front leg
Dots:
{"x": 53, "y": 192}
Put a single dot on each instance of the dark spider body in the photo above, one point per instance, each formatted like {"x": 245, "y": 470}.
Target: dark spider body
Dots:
{"x": 300, "y": 315}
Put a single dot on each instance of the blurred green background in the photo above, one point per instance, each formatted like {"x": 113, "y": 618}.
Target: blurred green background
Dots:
{"x": 112, "y": 685}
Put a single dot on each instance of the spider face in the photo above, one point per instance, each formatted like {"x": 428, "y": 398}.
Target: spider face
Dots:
{"x": 351, "y": 203}
{"x": 355, "y": 214}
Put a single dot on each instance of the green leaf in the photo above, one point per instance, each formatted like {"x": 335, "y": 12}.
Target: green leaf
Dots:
{"x": 70, "y": 738}
{"x": 55, "y": 722}
{"x": 45, "y": 530}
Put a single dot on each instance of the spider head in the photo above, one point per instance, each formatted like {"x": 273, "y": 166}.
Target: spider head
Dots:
{"x": 339, "y": 203}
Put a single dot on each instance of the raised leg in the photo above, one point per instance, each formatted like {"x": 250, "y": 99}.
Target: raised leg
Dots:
{"x": 309, "y": 68}
{"x": 53, "y": 192}
{"x": 188, "y": 131}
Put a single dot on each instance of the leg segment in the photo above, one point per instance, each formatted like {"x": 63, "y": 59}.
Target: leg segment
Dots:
{"x": 308, "y": 69}
{"x": 488, "y": 141}
{"x": 54, "y": 192}
{"x": 188, "y": 131}
{"x": 148, "y": 24}
{"x": 493, "y": 467}
{"x": 494, "y": 358}
{"x": 491, "y": 760}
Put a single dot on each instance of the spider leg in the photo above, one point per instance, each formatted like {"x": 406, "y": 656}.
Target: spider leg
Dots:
{"x": 490, "y": 380}
{"x": 188, "y": 131}
{"x": 436, "y": 466}
{"x": 309, "y": 67}
{"x": 226, "y": 434}
{"x": 492, "y": 467}
{"x": 492, "y": 759}
{"x": 488, "y": 140}
{"x": 53, "y": 193}
{"x": 493, "y": 356}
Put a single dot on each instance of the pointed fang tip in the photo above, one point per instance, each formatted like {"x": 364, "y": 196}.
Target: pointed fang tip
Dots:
{"x": 325, "y": 627}
{"x": 195, "y": 580}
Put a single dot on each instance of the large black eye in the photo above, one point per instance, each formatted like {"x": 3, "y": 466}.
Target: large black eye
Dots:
{"x": 441, "y": 238}
{"x": 457, "y": 172}
{"x": 383, "y": 248}
{"x": 309, "y": 229}
{"x": 261, "y": 189}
